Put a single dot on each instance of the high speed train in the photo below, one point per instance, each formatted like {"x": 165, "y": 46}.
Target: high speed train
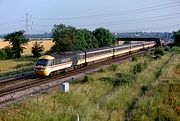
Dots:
{"x": 49, "y": 64}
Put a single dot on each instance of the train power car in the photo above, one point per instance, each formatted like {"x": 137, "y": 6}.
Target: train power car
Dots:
{"x": 49, "y": 64}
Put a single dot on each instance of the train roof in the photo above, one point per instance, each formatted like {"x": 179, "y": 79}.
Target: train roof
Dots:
{"x": 47, "y": 57}
{"x": 121, "y": 46}
{"x": 98, "y": 49}
{"x": 66, "y": 54}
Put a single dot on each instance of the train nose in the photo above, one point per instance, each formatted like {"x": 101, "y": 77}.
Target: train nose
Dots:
{"x": 42, "y": 72}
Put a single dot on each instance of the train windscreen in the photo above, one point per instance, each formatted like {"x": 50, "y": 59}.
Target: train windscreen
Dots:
{"x": 42, "y": 62}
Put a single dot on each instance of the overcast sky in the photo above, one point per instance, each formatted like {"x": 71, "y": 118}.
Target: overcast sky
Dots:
{"x": 115, "y": 15}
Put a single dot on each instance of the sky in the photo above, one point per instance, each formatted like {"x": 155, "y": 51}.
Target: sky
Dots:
{"x": 39, "y": 16}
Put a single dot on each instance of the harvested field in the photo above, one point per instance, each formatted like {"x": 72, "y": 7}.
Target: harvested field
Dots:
{"x": 47, "y": 45}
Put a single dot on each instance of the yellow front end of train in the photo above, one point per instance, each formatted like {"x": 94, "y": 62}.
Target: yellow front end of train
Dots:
{"x": 43, "y": 65}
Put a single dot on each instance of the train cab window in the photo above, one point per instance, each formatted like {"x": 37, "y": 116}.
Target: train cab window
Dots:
{"x": 42, "y": 62}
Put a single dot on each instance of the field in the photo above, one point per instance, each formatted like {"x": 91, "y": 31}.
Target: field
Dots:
{"x": 145, "y": 89}
{"x": 47, "y": 45}
{"x": 13, "y": 66}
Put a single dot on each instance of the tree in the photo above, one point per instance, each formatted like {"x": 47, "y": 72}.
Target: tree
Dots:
{"x": 68, "y": 38}
{"x": 91, "y": 41}
{"x": 104, "y": 37}
{"x": 37, "y": 49}
{"x": 177, "y": 37}
{"x": 17, "y": 39}
{"x": 63, "y": 37}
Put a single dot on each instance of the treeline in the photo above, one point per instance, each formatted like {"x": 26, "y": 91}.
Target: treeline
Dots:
{"x": 68, "y": 38}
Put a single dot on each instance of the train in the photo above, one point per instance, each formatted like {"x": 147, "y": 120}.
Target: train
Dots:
{"x": 61, "y": 62}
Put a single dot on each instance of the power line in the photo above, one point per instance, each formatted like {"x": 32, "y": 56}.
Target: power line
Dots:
{"x": 142, "y": 10}
{"x": 138, "y": 20}
{"x": 11, "y": 23}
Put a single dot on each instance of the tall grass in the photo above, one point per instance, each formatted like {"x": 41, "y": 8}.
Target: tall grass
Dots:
{"x": 162, "y": 101}
{"x": 104, "y": 95}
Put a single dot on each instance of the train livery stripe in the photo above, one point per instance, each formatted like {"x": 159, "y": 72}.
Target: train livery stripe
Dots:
{"x": 59, "y": 65}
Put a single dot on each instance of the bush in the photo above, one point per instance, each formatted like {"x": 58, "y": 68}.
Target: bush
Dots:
{"x": 159, "y": 51}
{"x": 3, "y": 54}
{"x": 167, "y": 48}
{"x": 175, "y": 49}
{"x": 113, "y": 67}
{"x": 144, "y": 88}
{"x": 109, "y": 80}
{"x": 120, "y": 79}
{"x": 6, "y": 53}
{"x": 102, "y": 70}
{"x": 10, "y": 53}
{"x": 138, "y": 68}
{"x": 157, "y": 57}
{"x": 123, "y": 79}
{"x": 37, "y": 49}
{"x": 134, "y": 58}
{"x": 87, "y": 79}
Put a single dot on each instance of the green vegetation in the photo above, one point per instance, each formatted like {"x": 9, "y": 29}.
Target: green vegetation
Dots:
{"x": 177, "y": 37}
{"x": 37, "y": 49}
{"x": 138, "y": 68}
{"x": 159, "y": 51}
{"x": 17, "y": 39}
{"x": 6, "y": 53}
{"x": 104, "y": 37}
{"x": 113, "y": 93}
{"x": 175, "y": 49}
{"x": 15, "y": 66}
{"x": 68, "y": 38}
{"x": 113, "y": 67}
{"x": 161, "y": 102}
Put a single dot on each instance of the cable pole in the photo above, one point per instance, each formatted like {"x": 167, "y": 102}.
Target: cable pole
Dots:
{"x": 27, "y": 24}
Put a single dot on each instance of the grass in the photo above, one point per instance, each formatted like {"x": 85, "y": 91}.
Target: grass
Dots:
{"x": 162, "y": 102}
{"x": 24, "y": 63}
{"x": 95, "y": 99}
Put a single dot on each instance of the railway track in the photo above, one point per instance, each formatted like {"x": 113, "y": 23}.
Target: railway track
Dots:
{"x": 10, "y": 87}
